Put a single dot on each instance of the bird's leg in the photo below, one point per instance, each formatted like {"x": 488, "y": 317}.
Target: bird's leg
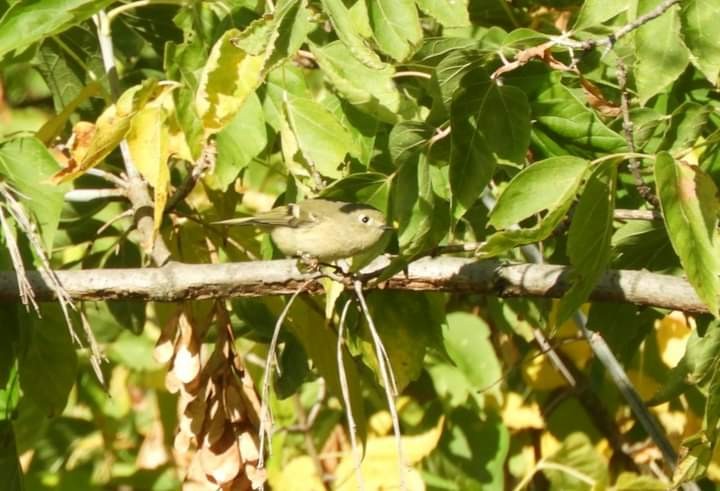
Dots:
{"x": 308, "y": 264}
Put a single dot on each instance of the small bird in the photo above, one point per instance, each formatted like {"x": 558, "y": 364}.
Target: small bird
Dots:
{"x": 320, "y": 229}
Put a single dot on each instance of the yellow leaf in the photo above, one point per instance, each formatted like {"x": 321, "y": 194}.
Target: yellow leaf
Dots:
{"x": 109, "y": 130}
{"x": 518, "y": 416}
{"x": 300, "y": 474}
{"x": 229, "y": 76}
{"x": 380, "y": 465}
{"x": 672, "y": 333}
{"x": 148, "y": 141}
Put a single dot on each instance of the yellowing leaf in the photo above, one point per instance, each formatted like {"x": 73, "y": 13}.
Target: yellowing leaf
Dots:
{"x": 109, "y": 130}
{"x": 300, "y": 474}
{"x": 672, "y": 333}
{"x": 380, "y": 465}
{"x": 518, "y": 416}
{"x": 148, "y": 141}
{"x": 232, "y": 72}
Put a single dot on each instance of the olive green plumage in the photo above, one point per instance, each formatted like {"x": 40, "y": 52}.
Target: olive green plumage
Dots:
{"x": 320, "y": 228}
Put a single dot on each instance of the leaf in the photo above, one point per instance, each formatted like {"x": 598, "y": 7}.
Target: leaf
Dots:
{"x": 380, "y": 463}
{"x": 466, "y": 338}
{"x": 25, "y": 23}
{"x": 405, "y": 322}
{"x": 544, "y": 185}
{"x": 595, "y": 12}
{"x": 559, "y": 110}
{"x": 702, "y": 36}
{"x": 10, "y": 468}
{"x": 292, "y": 20}
{"x": 372, "y": 90}
{"x": 579, "y": 467}
{"x": 660, "y": 53}
{"x": 689, "y": 202}
{"x": 345, "y": 29}
{"x": 628, "y": 481}
{"x": 589, "y": 237}
{"x": 322, "y": 140}
{"x": 109, "y": 130}
{"x": 550, "y": 185}
{"x": 148, "y": 141}
{"x": 489, "y": 123}
{"x": 240, "y": 141}
{"x": 396, "y": 26}
{"x": 363, "y": 187}
{"x": 48, "y": 363}
{"x": 413, "y": 206}
{"x": 28, "y": 166}
{"x": 406, "y": 140}
{"x": 448, "y": 13}
{"x": 233, "y": 71}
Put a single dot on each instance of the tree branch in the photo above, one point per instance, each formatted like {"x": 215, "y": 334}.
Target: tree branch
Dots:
{"x": 176, "y": 282}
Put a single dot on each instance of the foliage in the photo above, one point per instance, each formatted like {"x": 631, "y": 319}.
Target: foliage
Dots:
{"x": 429, "y": 110}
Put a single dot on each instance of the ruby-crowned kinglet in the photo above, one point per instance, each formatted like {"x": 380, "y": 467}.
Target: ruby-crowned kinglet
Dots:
{"x": 320, "y": 228}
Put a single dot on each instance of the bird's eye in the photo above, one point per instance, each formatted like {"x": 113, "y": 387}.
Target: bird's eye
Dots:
{"x": 364, "y": 218}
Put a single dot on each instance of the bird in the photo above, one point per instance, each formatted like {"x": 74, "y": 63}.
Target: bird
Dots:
{"x": 320, "y": 229}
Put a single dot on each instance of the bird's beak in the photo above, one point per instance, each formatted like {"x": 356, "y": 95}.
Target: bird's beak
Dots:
{"x": 387, "y": 227}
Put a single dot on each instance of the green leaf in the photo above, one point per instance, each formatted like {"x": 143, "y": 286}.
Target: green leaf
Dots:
{"x": 28, "y": 22}
{"x": 347, "y": 32}
{"x": 447, "y": 13}
{"x": 544, "y": 185}
{"x": 628, "y": 481}
{"x": 292, "y": 21}
{"x": 307, "y": 324}
{"x": 322, "y": 140}
{"x": 489, "y": 123}
{"x": 414, "y": 206}
{"x": 595, "y": 12}
{"x": 701, "y": 35}
{"x": 406, "y": 140}
{"x": 696, "y": 457}
{"x": 240, "y": 141}
{"x": 233, "y": 71}
{"x": 364, "y": 187}
{"x": 396, "y": 26}
{"x": 589, "y": 237}
{"x": 660, "y": 53}
{"x": 551, "y": 186}
{"x": 579, "y": 467}
{"x": 48, "y": 364}
{"x": 12, "y": 475}
{"x": 405, "y": 322}
{"x": 453, "y": 68}
{"x": 466, "y": 338}
{"x": 688, "y": 198}
{"x": 43, "y": 199}
{"x": 371, "y": 90}
{"x": 561, "y": 112}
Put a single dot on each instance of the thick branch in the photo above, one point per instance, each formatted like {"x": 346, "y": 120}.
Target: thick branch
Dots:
{"x": 176, "y": 282}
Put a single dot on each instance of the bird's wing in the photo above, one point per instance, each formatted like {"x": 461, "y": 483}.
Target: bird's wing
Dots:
{"x": 282, "y": 216}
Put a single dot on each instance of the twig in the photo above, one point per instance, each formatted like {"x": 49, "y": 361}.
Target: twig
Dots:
{"x": 27, "y": 296}
{"x": 176, "y": 282}
{"x": 387, "y": 376}
{"x": 204, "y": 162}
{"x": 137, "y": 190}
{"x": 107, "y": 176}
{"x": 85, "y": 195}
{"x": 610, "y": 40}
{"x": 342, "y": 375}
{"x": 265, "y": 416}
{"x": 633, "y": 163}
{"x": 647, "y": 215}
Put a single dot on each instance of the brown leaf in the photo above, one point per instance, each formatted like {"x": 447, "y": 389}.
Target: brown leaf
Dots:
{"x": 597, "y": 100}
{"x": 221, "y": 461}
{"x": 186, "y": 364}
{"x": 165, "y": 346}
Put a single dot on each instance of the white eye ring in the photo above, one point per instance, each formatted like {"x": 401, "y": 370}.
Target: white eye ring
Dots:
{"x": 364, "y": 219}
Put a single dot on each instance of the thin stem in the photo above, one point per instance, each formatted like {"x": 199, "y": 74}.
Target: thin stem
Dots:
{"x": 387, "y": 376}
{"x": 85, "y": 195}
{"x": 139, "y": 3}
{"x": 352, "y": 428}
{"x": 412, "y": 73}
